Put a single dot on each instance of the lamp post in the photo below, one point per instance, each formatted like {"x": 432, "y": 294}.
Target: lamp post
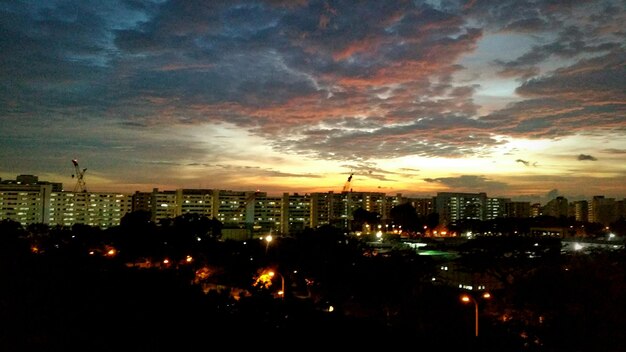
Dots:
{"x": 282, "y": 283}
{"x": 468, "y": 298}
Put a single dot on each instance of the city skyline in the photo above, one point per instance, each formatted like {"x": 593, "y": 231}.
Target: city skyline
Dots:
{"x": 34, "y": 180}
{"x": 517, "y": 99}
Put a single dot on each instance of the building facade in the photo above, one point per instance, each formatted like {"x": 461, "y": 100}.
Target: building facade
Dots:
{"x": 252, "y": 213}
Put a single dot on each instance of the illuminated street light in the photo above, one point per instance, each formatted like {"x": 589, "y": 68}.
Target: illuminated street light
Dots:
{"x": 466, "y": 298}
{"x": 268, "y": 239}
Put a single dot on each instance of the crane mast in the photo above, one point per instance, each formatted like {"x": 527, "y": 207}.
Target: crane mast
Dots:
{"x": 346, "y": 186}
{"x": 80, "y": 177}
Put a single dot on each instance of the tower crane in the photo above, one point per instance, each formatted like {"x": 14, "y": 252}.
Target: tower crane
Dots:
{"x": 80, "y": 177}
{"x": 346, "y": 186}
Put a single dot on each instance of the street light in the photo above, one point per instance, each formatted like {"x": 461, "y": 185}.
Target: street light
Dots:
{"x": 282, "y": 283}
{"x": 468, "y": 298}
{"x": 267, "y": 239}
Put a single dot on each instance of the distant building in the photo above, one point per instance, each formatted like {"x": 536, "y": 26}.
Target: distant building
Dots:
{"x": 336, "y": 209}
{"x": 295, "y": 213}
{"x": 423, "y": 206}
{"x": 557, "y": 207}
{"x": 196, "y": 201}
{"x": 246, "y": 214}
{"x": 496, "y": 208}
{"x": 99, "y": 209}
{"x": 517, "y": 209}
{"x": 26, "y": 204}
{"x": 28, "y": 182}
{"x": 30, "y": 201}
{"x": 581, "y": 210}
{"x": 454, "y": 208}
{"x": 603, "y": 210}
{"x": 535, "y": 210}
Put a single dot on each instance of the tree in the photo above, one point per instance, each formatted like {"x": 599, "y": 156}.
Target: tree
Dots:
{"x": 361, "y": 217}
{"x": 406, "y": 216}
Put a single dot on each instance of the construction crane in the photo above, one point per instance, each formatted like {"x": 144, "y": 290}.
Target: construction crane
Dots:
{"x": 242, "y": 207}
{"x": 347, "y": 185}
{"x": 80, "y": 177}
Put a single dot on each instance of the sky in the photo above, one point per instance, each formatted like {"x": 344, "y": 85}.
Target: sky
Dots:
{"x": 523, "y": 99}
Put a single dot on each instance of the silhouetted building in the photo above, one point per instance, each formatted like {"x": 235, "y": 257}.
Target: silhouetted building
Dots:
{"x": 28, "y": 182}
{"x": 581, "y": 210}
{"x": 602, "y": 210}
{"x": 423, "y": 206}
{"x": 517, "y": 209}
{"x": 557, "y": 207}
{"x": 535, "y": 210}
{"x": 456, "y": 207}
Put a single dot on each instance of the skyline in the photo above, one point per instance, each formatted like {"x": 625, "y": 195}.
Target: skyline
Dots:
{"x": 517, "y": 99}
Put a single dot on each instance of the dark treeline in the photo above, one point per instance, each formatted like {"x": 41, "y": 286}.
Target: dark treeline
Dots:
{"x": 137, "y": 287}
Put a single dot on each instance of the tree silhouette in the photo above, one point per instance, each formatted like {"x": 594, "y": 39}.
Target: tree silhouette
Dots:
{"x": 406, "y": 216}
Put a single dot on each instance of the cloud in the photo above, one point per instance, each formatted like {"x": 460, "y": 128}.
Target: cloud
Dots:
{"x": 329, "y": 81}
{"x": 614, "y": 151}
{"x": 571, "y": 42}
{"x": 474, "y": 183}
{"x": 586, "y": 157}
{"x": 552, "y": 194}
{"x": 526, "y": 162}
{"x": 581, "y": 98}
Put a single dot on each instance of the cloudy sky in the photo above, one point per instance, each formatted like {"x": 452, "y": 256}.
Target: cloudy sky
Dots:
{"x": 517, "y": 98}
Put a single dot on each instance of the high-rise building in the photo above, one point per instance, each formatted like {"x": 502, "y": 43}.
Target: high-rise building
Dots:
{"x": 100, "y": 209}
{"x": 27, "y": 204}
{"x": 557, "y": 207}
{"x": 163, "y": 205}
{"x": 517, "y": 209}
{"x": 496, "y": 208}
{"x": 581, "y": 210}
{"x": 248, "y": 213}
{"x": 296, "y": 213}
{"x": 29, "y": 182}
{"x": 602, "y": 210}
{"x": 267, "y": 213}
{"x": 30, "y": 201}
{"x": 423, "y": 206}
{"x": 198, "y": 201}
{"x": 535, "y": 210}
{"x": 455, "y": 207}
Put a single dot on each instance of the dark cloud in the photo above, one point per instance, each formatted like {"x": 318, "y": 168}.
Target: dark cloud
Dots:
{"x": 529, "y": 25}
{"x": 614, "y": 151}
{"x": 586, "y": 157}
{"x": 526, "y": 162}
{"x": 570, "y": 43}
{"x": 324, "y": 79}
{"x": 580, "y": 98}
{"x": 472, "y": 183}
